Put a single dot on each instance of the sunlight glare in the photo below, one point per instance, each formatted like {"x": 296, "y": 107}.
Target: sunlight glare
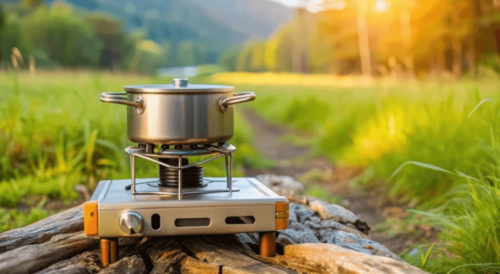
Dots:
{"x": 338, "y": 5}
{"x": 381, "y": 5}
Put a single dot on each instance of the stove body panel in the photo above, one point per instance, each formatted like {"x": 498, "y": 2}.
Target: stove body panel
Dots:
{"x": 251, "y": 209}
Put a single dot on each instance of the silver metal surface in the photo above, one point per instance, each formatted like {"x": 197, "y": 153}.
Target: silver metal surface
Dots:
{"x": 252, "y": 192}
{"x": 131, "y": 222}
{"x": 179, "y": 119}
{"x": 117, "y": 98}
{"x": 139, "y": 152}
{"x": 180, "y": 86}
{"x": 121, "y": 98}
{"x": 187, "y": 192}
{"x": 225, "y": 150}
{"x": 180, "y": 82}
{"x": 179, "y": 113}
{"x": 240, "y": 97}
{"x": 265, "y": 220}
{"x": 185, "y": 152}
{"x": 254, "y": 199}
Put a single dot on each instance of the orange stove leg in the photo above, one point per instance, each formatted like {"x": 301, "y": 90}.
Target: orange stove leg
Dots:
{"x": 267, "y": 243}
{"x": 109, "y": 251}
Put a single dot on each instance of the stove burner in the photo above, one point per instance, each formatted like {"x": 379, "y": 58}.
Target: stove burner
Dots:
{"x": 173, "y": 162}
{"x": 169, "y": 177}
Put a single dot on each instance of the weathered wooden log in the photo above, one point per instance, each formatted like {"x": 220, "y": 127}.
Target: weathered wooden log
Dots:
{"x": 65, "y": 222}
{"x": 328, "y": 239}
{"x": 327, "y": 258}
{"x": 83, "y": 263}
{"x": 190, "y": 265}
{"x": 32, "y": 258}
{"x": 128, "y": 265}
{"x": 228, "y": 252}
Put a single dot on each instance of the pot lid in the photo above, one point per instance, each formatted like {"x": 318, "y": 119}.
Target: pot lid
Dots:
{"x": 179, "y": 86}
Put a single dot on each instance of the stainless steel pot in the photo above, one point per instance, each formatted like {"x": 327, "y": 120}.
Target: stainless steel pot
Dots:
{"x": 179, "y": 114}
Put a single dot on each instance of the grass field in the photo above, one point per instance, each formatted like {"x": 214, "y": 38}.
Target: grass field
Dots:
{"x": 433, "y": 145}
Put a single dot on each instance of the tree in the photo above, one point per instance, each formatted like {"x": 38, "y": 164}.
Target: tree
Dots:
{"x": 64, "y": 35}
{"x": 419, "y": 35}
{"x": 186, "y": 53}
{"x": 115, "y": 42}
{"x": 279, "y": 50}
{"x": 10, "y": 37}
{"x": 147, "y": 57}
{"x": 167, "y": 58}
{"x": 229, "y": 58}
{"x": 336, "y": 41}
{"x": 2, "y": 16}
{"x": 251, "y": 57}
{"x": 31, "y": 3}
{"x": 2, "y": 25}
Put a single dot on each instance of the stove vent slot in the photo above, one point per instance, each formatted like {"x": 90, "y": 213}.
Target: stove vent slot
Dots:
{"x": 192, "y": 222}
{"x": 155, "y": 222}
{"x": 240, "y": 220}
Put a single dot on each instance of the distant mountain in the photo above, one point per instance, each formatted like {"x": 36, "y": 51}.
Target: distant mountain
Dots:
{"x": 215, "y": 24}
{"x": 173, "y": 20}
{"x": 252, "y": 18}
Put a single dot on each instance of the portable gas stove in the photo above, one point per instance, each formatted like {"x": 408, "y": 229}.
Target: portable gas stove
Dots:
{"x": 181, "y": 201}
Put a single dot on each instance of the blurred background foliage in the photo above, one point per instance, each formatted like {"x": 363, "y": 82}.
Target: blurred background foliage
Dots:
{"x": 413, "y": 38}
{"x": 410, "y": 37}
{"x": 132, "y": 36}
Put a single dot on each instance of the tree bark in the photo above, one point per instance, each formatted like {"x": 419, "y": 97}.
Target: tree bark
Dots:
{"x": 406, "y": 37}
{"x": 364, "y": 46}
{"x": 456, "y": 43}
{"x": 66, "y": 222}
{"x": 32, "y": 258}
{"x": 456, "y": 46}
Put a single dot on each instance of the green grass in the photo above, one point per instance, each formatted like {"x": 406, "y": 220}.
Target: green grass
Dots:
{"x": 13, "y": 218}
{"x": 319, "y": 192}
{"x": 433, "y": 145}
{"x": 383, "y": 126}
{"x": 468, "y": 220}
{"x": 470, "y": 232}
{"x": 312, "y": 181}
{"x": 56, "y": 134}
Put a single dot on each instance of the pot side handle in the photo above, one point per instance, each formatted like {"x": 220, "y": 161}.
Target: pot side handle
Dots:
{"x": 119, "y": 98}
{"x": 240, "y": 97}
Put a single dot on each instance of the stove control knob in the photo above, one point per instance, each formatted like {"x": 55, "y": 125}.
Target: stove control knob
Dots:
{"x": 131, "y": 222}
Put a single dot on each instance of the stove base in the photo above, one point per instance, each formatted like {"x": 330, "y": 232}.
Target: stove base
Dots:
{"x": 109, "y": 251}
{"x": 114, "y": 213}
{"x": 110, "y": 247}
{"x": 267, "y": 244}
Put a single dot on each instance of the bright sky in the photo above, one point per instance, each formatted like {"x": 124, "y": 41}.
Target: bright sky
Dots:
{"x": 316, "y": 5}
{"x": 312, "y": 5}
{"x": 290, "y": 3}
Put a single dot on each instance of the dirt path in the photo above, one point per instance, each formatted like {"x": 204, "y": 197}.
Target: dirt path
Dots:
{"x": 293, "y": 161}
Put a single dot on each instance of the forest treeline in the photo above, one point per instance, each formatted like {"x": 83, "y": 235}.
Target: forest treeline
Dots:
{"x": 417, "y": 37}
{"x": 57, "y": 35}
{"x": 409, "y": 37}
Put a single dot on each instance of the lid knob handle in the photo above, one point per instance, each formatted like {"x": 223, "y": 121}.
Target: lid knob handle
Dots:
{"x": 180, "y": 82}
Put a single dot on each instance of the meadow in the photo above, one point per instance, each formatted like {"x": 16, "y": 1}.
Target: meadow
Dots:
{"x": 430, "y": 145}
